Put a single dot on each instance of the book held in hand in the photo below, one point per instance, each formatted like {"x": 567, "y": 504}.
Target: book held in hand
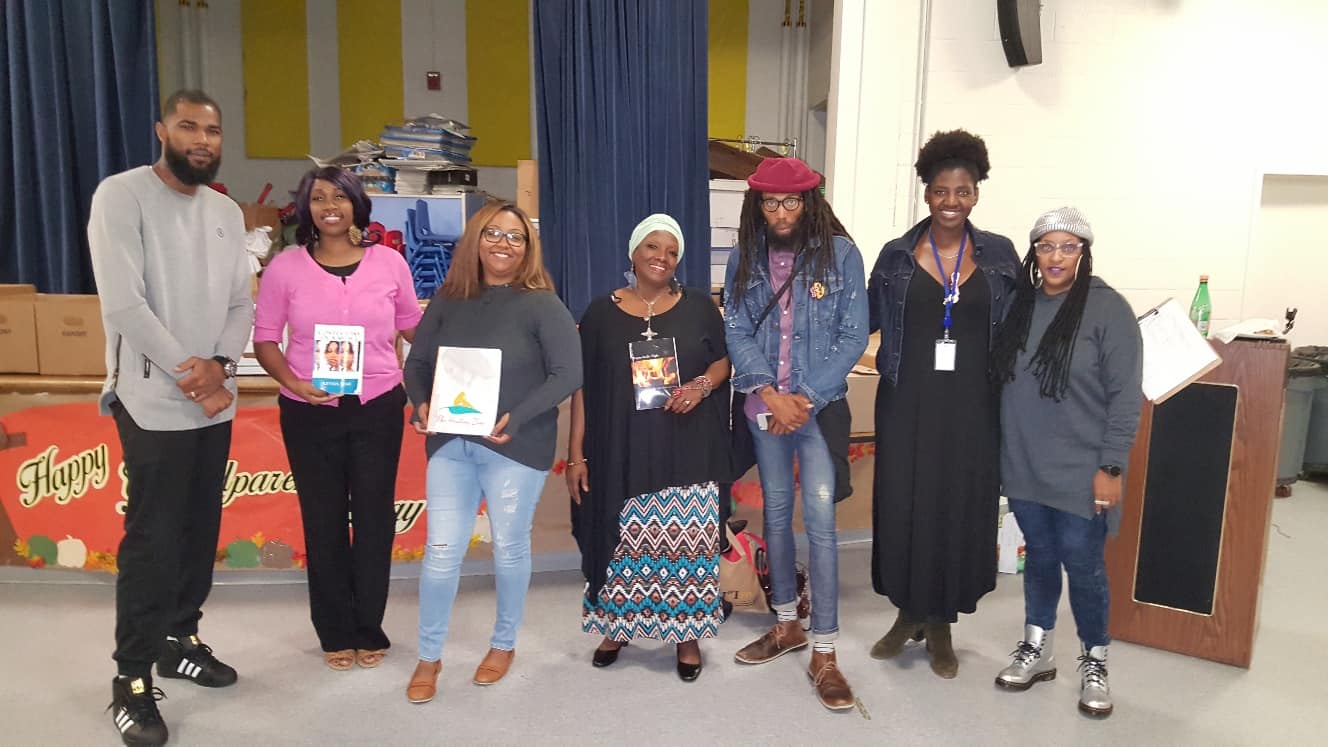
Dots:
{"x": 338, "y": 358}
{"x": 465, "y": 391}
{"x": 654, "y": 371}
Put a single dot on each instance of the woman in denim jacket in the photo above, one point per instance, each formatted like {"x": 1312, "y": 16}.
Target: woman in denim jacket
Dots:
{"x": 791, "y": 354}
{"x": 937, "y": 294}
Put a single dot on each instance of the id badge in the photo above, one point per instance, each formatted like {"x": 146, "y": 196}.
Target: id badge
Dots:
{"x": 945, "y": 354}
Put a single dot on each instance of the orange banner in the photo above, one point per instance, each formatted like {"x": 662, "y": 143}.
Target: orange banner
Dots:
{"x": 66, "y": 499}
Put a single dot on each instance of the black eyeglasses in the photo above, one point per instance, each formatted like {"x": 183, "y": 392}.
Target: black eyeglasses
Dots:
{"x": 493, "y": 235}
{"x": 790, "y": 204}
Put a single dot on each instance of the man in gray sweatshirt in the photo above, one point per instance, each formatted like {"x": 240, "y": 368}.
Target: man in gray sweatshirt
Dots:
{"x": 168, "y": 255}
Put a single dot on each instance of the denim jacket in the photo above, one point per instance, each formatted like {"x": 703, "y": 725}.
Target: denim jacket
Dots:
{"x": 829, "y": 333}
{"x": 888, "y": 287}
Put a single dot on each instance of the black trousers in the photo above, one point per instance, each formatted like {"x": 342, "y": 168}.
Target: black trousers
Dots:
{"x": 170, "y": 543}
{"x": 344, "y": 460}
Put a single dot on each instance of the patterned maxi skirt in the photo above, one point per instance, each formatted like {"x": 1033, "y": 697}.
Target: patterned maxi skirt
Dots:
{"x": 663, "y": 580}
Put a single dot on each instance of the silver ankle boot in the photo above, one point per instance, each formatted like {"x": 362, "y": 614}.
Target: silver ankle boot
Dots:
{"x": 1033, "y": 660}
{"x": 1095, "y": 693}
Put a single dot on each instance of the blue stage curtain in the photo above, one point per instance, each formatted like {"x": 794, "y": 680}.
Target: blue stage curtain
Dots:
{"x": 78, "y": 98}
{"x": 622, "y": 110}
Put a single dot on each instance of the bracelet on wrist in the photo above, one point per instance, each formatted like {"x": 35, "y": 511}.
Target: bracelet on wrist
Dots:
{"x": 573, "y": 463}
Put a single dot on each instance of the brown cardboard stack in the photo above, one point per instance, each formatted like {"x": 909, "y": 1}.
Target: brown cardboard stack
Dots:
{"x": 256, "y": 215}
{"x": 18, "y": 330}
{"x": 527, "y": 187}
{"x": 70, "y": 337}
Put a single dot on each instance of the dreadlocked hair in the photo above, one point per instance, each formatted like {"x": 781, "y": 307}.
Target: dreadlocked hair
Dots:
{"x": 1051, "y": 362}
{"x": 953, "y": 149}
{"x": 815, "y": 235}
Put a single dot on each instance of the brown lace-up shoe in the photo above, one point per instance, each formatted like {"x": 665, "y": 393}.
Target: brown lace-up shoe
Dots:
{"x": 782, "y": 638}
{"x": 831, "y": 687}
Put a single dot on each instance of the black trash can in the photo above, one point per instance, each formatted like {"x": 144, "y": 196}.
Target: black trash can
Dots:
{"x": 1305, "y": 378}
{"x": 1315, "y": 460}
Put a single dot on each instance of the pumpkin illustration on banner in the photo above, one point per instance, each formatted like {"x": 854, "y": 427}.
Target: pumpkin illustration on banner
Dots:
{"x": 71, "y": 552}
{"x": 276, "y": 554}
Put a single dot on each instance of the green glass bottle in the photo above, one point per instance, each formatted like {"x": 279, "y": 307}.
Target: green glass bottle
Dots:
{"x": 1201, "y": 310}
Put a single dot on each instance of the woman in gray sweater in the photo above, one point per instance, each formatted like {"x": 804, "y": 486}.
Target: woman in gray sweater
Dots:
{"x": 497, "y": 295}
{"x": 1069, "y": 359}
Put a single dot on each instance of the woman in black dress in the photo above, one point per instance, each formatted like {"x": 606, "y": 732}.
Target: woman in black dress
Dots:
{"x": 646, "y": 454}
{"x": 936, "y": 294}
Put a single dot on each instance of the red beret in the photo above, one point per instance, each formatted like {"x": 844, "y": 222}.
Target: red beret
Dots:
{"x": 783, "y": 175}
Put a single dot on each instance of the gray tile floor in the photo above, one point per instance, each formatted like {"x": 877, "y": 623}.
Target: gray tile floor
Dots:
{"x": 57, "y": 669}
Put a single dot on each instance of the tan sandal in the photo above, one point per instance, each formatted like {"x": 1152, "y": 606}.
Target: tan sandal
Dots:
{"x": 368, "y": 659}
{"x": 339, "y": 660}
{"x": 424, "y": 682}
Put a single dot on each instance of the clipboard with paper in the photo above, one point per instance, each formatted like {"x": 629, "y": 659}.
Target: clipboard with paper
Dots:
{"x": 1175, "y": 354}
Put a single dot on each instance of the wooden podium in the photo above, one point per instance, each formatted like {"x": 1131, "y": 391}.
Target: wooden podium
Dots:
{"x": 1186, "y": 569}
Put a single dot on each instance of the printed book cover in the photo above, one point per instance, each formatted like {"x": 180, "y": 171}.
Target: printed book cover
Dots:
{"x": 654, "y": 371}
{"x": 338, "y": 358}
{"x": 465, "y": 391}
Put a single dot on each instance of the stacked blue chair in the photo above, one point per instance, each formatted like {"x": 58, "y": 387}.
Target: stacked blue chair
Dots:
{"x": 428, "y": 254}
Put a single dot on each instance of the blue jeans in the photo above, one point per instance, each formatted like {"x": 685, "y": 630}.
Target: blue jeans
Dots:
{"x": 816, "y": 472}
{"x": 459, "y": 475}
{"x": 1053, "y": 538}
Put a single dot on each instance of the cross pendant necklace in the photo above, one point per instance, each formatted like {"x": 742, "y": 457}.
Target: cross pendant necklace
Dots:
{"x": 649, "y": 334}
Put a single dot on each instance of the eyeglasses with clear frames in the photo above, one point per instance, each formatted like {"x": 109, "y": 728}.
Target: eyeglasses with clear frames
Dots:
{"x": 1069, "y": 248}
{"x": 790, "y": 204}
{"x": 493, "y": 235}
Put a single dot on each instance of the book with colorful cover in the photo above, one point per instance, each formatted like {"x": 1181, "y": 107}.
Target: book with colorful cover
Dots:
{"x": 465, "y": 391}
{"x": 654, "y": 371}
{"x": 339, "y": 358}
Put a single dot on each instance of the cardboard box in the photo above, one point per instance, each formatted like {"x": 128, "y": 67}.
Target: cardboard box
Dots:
{"x": 70, "y": 338}
{"x": 256, "y": 215}
{"x": 18, "y": 329}
{"x": 527, "y": 187}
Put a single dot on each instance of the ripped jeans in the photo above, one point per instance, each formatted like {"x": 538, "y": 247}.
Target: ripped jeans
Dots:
{"x": 459, "y": 475}
{"x": 816, "y": 476}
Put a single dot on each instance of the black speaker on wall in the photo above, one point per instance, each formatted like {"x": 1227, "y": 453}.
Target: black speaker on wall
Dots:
{"x": 1021, "y": 31}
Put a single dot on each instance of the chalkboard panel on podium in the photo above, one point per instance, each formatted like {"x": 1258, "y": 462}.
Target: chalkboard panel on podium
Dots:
{"x": 1186, "y": 568}
{"x": 1180, "y": 532}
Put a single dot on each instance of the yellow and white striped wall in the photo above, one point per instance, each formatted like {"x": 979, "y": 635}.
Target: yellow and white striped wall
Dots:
{"x": 297, "y": 77}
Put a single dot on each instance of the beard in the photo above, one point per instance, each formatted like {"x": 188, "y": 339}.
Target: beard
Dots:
{"x": 797, "y": 238}
{"x": 193, "y": 176}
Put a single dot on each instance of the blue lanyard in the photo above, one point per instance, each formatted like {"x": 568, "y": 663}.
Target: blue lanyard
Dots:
{"x": 952, "y": 283}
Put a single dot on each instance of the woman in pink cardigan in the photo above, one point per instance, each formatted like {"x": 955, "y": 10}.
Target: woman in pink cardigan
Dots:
{"x": 343, "y": 447}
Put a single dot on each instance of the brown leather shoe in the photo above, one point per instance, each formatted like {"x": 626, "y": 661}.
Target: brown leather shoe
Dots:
{"x": 831, "y": 687}
{"x": 782, "y": 638}
{"x": 939, "y": 646}
{"x": 424, "y": 682}
{"x": 494, "y": 666}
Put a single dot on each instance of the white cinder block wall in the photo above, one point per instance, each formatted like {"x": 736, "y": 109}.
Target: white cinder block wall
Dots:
{"x": 1159, "y": 118}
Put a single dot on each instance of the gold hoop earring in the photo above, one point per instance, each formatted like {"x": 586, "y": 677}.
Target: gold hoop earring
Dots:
{"x": 355, "y": 235}
{"x": 1034, "y": 277}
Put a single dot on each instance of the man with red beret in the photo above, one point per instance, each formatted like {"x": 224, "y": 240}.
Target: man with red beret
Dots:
{"x": 796, "y": 323}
